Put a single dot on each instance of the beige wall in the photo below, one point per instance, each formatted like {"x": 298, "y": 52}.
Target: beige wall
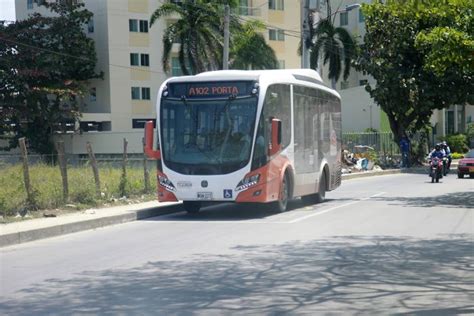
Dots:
{"x": 358, "y": 110}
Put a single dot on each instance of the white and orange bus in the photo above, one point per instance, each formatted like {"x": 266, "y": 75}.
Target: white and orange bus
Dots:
{"x": 246, "y": 137}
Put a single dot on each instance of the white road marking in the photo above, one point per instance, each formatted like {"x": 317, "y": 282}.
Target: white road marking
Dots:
{"x": 334, "y": 208}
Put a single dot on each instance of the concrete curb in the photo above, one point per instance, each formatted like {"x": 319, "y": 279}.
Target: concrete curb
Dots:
{"x": 366, "y": 174}
{"x": 24, "y": 236}
{"x": 82, "y": 225}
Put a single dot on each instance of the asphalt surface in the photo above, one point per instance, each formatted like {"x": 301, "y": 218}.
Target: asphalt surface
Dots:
{"x": 381, "y": 245}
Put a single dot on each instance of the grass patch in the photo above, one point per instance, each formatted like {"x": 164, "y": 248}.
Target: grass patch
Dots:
{"x": 48, "y": 192}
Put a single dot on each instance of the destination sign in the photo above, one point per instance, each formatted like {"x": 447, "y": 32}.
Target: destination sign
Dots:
{"x": 222, "y": 89}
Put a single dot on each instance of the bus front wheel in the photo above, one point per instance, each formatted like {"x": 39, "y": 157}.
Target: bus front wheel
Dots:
{"x": 282, "y": 202}
{"x": 192, "y": 207}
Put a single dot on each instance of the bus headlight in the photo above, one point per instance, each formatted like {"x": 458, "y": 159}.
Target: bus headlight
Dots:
{"x": 248, "y": 182}
{"x": 165, "y": 182}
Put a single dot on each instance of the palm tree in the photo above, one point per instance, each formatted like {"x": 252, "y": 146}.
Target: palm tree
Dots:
{"x": 336, "y": 45}
{"x": 250, "y": 50}
{"x": 198, "y": 30}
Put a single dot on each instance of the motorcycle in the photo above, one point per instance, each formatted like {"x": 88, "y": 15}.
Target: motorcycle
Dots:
{"x": 445, "y": 166}
{"x": 436, "y": 169}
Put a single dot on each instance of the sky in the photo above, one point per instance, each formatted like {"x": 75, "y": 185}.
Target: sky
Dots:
{"x": 7, "y": 10}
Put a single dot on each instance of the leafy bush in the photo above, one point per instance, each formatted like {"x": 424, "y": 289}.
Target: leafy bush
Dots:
{"x": 457, "y": 143}
{"x": 456, "y": 155}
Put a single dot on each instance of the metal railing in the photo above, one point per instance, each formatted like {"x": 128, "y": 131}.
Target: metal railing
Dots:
{"x": 380, "y": 142}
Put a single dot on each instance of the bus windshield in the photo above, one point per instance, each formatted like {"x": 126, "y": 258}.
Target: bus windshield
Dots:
{"x": 205, "y": 137}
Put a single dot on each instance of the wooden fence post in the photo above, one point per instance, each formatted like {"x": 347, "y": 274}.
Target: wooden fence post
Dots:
{"x": 95, "y": 170}
{"x": 63, "y": 168}
{"x": 146, "y": 173}
{"x": 123, "y": 179}
{"x": 26, "y": 172}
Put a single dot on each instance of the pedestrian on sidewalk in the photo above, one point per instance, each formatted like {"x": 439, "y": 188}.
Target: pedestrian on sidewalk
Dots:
{"x": 405, "y": 148}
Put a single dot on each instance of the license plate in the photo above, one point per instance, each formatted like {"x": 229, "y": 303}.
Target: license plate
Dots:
{"x": 204, "y": 195}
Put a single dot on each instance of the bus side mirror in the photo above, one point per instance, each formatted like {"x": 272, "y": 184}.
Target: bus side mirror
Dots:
{"x": 149, "y": 151}
{"x": 275, "y": 144}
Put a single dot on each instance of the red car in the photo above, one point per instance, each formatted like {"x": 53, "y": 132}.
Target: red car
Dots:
{"x": 466, "y": 165}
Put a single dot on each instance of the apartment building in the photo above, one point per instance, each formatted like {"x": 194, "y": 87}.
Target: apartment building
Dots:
{"x": 129, "y": 53}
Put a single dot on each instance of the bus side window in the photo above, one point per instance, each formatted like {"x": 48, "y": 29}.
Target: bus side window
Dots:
{"x": 277, "y": 104}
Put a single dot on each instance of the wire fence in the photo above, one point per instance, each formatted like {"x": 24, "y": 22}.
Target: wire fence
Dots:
{"x": 386, "y": 151}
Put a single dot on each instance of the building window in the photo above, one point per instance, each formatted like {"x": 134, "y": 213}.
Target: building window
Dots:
{"x": 176, "y": 67}
{"x": 362, "y": 82}
{"x": 135, "y": 93}
{"x": 276, "y": 35}
{"x": 344, "y": 18}
{"x": 29, "y": 4}
{"x": 143, "y": 26}
{"x": 276, "y": 4}
{"x": 93, "y": 94}
{"x": 133, "y": 25}
{"x": 361, "y": 16}
{"x": 145, "y": 93}
{"x": 344, "y": 85}
{"x": 140, "y": 123}
{"x": 145, "y": 60}
{"x": 90, "y": 26}
{"x": 281, "y": 64}
{"x": 134, "y": 60}
{"x": 244, "y": 7}
{"x": 65, "y": 1}
{"x": 95, "y": 126}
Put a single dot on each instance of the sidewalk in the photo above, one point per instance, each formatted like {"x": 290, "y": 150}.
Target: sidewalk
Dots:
{"x": 40, "y": 228}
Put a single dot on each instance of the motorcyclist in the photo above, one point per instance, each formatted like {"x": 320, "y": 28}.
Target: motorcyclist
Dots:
{"x": 447, "y": 151}
{"x": 438, "y": 152}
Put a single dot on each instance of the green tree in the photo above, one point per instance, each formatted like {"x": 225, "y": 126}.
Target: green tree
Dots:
{"x": 335, "y": 44}
{"x": 420, "y": 54}
{"x": 250, "y": 50}
{"x": 45, "y": 63}
{"x": 198, "y": 30}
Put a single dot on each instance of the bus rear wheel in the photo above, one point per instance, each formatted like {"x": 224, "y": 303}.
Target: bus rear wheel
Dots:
{"x": 192, "y": 207}
{"x": 318, "y": 197}
{"x": 321, "y": 195}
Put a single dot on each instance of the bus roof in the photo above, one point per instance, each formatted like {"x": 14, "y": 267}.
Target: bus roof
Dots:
{"x": 307, "y": 76}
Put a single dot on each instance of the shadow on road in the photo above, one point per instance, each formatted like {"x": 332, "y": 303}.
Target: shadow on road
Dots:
{"x": 349, "y": 275}
{"x": 451, "y": 200}
{"x": 234, "y": 212}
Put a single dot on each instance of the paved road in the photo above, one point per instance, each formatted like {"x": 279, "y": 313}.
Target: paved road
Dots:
{"x": 388, "y": 244}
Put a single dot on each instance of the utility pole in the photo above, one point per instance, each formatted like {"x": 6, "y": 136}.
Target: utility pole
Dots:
{"x": 225, "y": 57}
{"x": 304, "y": 7}
{"x": 307, "y": 15}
